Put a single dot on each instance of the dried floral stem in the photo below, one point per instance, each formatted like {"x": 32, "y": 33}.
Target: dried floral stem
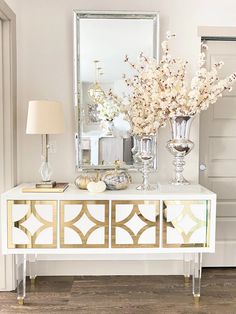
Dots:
{"x": 159, "y": 91}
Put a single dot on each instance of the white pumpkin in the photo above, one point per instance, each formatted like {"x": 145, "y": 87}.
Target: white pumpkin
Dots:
{"x": 96, "y": 187}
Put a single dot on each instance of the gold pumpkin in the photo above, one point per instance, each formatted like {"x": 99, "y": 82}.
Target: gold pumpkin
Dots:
{"x": 83, "y": 180}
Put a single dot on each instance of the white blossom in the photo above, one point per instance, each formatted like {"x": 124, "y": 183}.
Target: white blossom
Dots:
{"x": 108, "y": 109}
{"x": 160, "y": 90}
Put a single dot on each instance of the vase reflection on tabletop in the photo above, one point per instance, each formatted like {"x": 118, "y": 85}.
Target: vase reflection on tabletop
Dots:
{"x": 145, "y": 156}
{"x": 180, "y": 145}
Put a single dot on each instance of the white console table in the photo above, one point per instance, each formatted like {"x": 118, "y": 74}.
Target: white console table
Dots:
{"x": 168, "y": 220}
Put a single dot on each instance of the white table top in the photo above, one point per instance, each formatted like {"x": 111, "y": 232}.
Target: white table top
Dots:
{"x": 164, "y": 191}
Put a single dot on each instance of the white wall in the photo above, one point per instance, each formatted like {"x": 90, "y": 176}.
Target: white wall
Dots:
{"x": 45, "y": 67}
{"x": 44, "y": 34}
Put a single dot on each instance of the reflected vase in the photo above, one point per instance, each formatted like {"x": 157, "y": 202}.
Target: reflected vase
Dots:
{"x": 144, "y": 157}
{"x": 135, "y": 149}
{"x": 108, "y": 127}
{"x": 180, "y": 145}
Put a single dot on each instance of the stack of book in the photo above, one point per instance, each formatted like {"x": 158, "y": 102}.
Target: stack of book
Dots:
{"x": 46, "y": 184}
{"x": 47, "y": 187}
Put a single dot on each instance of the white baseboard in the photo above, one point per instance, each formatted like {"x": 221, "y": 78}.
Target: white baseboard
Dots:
{"x": 161, "y": 264}
{"x": 120, "y": 264}
{"x": 99, "y": 268}
{"x": 172, "y": 264}
{"x": 224, "y": 256}
{"x": 7, "y": 273}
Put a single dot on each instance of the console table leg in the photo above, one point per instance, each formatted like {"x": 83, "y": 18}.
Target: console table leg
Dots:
{"x": 32, "y": 268}
{"x": 187, "y": 268}
{"x": 21, "y": 277}
{"x": 197, "y": 274}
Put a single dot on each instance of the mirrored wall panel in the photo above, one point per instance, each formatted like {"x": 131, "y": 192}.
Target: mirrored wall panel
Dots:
{"x": 102, "y": 40}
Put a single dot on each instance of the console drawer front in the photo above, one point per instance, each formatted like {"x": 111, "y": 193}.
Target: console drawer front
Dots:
{"x": 186, "y": 223}
{"x": 32, "y": 224}
{"x": 135, "y": 224}
{"x": 84, "y": 224}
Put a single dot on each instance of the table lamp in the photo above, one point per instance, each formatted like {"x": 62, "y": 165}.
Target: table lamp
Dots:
{"x": 45, "y": 117}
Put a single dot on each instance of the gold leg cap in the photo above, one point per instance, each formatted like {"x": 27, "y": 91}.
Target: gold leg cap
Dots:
{"x": 186, "y": 280}
{"x": 32, "y": 281}
{"x": 196, "y": 299}
{"x": 21, "y": 301}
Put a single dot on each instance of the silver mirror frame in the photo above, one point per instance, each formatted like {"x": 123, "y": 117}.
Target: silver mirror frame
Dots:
{"x": 154, "y": 16}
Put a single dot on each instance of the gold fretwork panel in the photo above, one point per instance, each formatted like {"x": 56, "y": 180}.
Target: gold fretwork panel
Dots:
{"x": 139, "y": 227}
{"x": 23, "y": 225}
{"x": 84, "y": 224}
{"x": 186, "y": 224}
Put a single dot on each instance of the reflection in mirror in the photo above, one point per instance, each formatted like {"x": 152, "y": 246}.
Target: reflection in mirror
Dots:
{"x": 102, "y": 40}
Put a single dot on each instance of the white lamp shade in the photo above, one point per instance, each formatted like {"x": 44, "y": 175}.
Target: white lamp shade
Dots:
{"x": 45, "y": 117}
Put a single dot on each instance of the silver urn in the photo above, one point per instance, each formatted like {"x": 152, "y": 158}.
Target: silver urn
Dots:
{"x": 180, "y": 145}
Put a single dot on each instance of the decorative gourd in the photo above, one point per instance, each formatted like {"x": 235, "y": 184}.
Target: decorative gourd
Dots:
{"x": 96, "y": 187}
{"x": 117, "y": 179}
{"x": 82, "y": 181}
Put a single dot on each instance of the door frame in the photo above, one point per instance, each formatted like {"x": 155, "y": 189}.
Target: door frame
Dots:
{"x": 216, "y": 31}
{"x": 222, "y": 249}
{"x": 212, "y": 33}
{"x": 9, "y": 127}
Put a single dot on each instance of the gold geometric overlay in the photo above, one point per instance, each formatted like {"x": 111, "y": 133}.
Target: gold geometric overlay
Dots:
{"x": 84, "y": 237}
{"x": 175, "y": 223}
{"x": 45, "y": 224}
{"x": 135, "y": 212}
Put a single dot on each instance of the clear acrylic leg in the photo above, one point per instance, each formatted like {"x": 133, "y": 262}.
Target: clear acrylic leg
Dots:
{"x": 21, "y": 277}
{"x": 197, "y": 274}
{"x": 187, "y": 268}
{"x": 32, "y": 258}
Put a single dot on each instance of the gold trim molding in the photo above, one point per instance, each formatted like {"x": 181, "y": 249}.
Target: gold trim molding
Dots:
{"x": 18, "y": 224}
{"x": 97, "y": 224}
{"x": 175, "y": 223}
{"x": 135, "y": 211}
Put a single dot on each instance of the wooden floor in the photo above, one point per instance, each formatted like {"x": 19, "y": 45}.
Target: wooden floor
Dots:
{"x": 126, "y": 294}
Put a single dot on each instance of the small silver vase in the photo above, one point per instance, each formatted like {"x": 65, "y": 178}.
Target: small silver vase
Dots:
{"x": 180, "y": 145}
{"x": 145, "y": 157}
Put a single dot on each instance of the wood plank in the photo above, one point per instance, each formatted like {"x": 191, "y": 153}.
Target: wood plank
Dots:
{"x": 126, "y": 295}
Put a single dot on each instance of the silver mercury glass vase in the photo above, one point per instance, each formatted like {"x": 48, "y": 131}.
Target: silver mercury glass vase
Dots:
{"x": 180, "y": 145}
{"x": 145, "y": 156}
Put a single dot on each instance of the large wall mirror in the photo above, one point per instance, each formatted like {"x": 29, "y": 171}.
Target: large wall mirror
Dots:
{"x": 101, "y": 42}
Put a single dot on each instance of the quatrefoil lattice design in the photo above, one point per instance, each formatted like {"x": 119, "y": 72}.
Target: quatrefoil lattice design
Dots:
{"x": 186, "y": 223}
{"x": 135, "y": 224}
{"x": 32, "y": 224}
{"x": 84, "y": 224}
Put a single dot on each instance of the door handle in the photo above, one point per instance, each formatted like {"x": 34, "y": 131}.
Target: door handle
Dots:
{"x": 203, "y": 167}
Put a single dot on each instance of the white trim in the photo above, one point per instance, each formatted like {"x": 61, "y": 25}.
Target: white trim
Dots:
{"x": 216, "y": 31}
{"x": 110, "y": 12}
{"x": 6, "y": 12}
{"x": 8, "y": 176}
